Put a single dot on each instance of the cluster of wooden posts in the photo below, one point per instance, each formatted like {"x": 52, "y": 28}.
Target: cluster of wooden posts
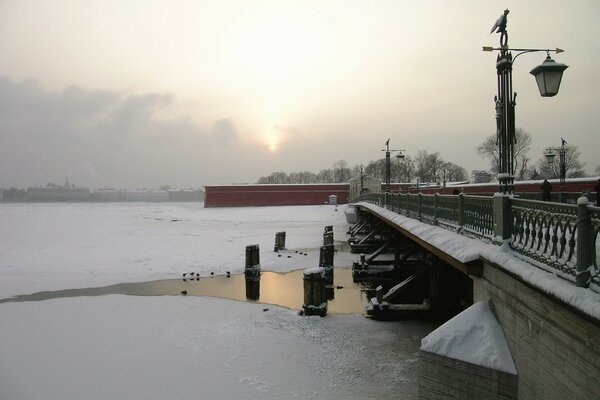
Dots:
{"x": 316, "y": 280}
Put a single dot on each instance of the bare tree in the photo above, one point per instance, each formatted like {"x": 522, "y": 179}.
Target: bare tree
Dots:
{"x": 489, "y": 149}
{"x": 341, "y": 171}
{"x": 573, "y": 165}
{"x": 428, "y": 166}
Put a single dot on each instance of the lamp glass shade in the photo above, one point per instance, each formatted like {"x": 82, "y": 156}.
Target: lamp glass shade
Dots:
{"x": 548, "y": 76}
{"x": 550, "y": 157}
{"x": 400, "y": 157}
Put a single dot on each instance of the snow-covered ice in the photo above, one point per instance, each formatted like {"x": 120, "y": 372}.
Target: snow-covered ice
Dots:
{"x": 65, "y": 246}
{"x": 176, "y": 347}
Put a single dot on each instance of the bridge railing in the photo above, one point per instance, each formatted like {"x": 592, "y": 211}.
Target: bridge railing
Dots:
{"x": 563, "y": 238}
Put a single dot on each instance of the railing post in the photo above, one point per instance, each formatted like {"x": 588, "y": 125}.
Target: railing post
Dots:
{"x": 585, "y": 246}
{"x": 461, "y": 211}
{"x": 435, "y": 208}
{"x": 419, "y": 206}
{"x": 502, "y": 219}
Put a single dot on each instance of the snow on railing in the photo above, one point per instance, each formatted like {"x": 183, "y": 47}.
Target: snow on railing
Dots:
{"x": 562, "y": 238}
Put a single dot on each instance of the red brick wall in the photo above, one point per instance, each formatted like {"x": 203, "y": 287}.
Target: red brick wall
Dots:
{"x": 274, "y": 195}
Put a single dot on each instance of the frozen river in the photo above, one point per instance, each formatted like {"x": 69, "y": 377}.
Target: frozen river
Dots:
{"x": 176, "y": 347}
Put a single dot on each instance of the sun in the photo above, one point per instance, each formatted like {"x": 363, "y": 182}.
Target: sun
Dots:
{"x": 272, "y": 142}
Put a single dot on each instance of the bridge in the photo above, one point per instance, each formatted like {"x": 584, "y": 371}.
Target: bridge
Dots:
{"x": 534, "y": 263}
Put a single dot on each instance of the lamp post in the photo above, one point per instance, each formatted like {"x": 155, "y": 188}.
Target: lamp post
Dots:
{"x": 548, "y": 76}
{"x": 400, "y": 156}
{"x": 562, "y": 166}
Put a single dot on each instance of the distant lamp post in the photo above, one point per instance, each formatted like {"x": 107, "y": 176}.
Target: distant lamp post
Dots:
{"x": 400, "y": 156}
{"x": 562, "y": 166}
{"x": 548, "y": 76}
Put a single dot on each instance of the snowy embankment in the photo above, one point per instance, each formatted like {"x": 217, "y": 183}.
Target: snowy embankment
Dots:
{"x": 67, "y": 246}
{"x": 466, "y": 249}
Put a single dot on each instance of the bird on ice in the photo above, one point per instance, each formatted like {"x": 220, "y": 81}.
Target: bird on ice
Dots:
{"x": 500, "y": 24}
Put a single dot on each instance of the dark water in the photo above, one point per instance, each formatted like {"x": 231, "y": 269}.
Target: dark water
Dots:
{"x": 285, "y": 290}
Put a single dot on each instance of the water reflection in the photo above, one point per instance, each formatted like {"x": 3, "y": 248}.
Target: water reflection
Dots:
{"x": 285, "y": 290}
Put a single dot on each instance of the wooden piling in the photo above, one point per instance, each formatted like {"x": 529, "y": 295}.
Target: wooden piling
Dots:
{"x": 252, "y": 255}
{"x": 326, "y": 262}
{"x": 315, "y": 294}
{"x": 279, "y": 241}
{"x": 328, "y": 235}
{"x": 252, "y": 272}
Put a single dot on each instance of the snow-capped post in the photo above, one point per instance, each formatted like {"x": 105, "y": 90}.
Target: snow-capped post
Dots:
{"x": 315, "y": 294}
{"x": 252, "y": 272}
{"x": 326, "y": 261}
{"x": 585, "y": 246}
{"x": 279, "y": 241}
{"x": 502, "y": 218}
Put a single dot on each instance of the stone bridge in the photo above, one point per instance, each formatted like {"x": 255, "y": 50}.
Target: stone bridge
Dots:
{"x": 520, "y": 277}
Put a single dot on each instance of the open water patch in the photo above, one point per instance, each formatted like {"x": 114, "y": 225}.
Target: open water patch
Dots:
{"x": 281, "y": 289}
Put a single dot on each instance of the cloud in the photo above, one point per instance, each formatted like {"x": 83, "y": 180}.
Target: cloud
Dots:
{"x": 225, "y": 131}
{"x": 100, "y": 138}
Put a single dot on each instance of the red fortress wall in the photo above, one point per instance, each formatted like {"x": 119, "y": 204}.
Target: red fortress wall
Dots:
{"x": 274, "y": 195}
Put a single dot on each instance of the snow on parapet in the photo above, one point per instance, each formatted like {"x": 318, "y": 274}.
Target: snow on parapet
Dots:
{"x": 473, "y": 336}
{"x": 460, "y": 247}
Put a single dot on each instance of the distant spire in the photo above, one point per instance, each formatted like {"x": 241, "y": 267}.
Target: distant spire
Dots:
{"x": 67, "y": 186}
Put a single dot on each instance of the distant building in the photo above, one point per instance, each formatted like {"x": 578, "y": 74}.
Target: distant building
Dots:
{"x": 185, "y": 195}
{"x": 58, "y": 193}
{"x": 367, "y": 184}
{"x": 114, "y": 195}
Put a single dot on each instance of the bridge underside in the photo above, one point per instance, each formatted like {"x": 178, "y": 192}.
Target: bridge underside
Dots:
{"x": 410, "y": 275}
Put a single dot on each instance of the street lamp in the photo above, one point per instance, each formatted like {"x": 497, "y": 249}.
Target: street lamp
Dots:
{"x": 550, "y": 155}
{"x": 548, "y": 76}
{"x": 400, "y": 156}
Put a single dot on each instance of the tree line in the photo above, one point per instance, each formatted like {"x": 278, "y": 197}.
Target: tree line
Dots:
{"x": 424, "y": 167}
{"x": 431, "y": 167}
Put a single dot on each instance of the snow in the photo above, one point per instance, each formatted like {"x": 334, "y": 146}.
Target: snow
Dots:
{"x": 58, "y": 246}
{"x": 460, "y": 247}
{"x": 130, "y": 347}
{"x": 315, "y": 270}
{"x": 180, "y": 347}
{"x": 466, "y": 249}
{"x": 585, "y": 300}
{"x": 473, "y": 336}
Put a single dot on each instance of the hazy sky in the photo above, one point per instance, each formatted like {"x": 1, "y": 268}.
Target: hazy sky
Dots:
{"x": 187, "y": 93}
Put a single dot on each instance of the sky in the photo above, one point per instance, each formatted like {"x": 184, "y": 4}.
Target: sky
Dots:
{"x": 132, "y": 94}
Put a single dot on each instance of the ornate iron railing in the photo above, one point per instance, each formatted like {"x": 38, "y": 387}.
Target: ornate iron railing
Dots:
{"x": 563, "y": 238}
{"x": 478, "y": 216}
{"x": 546, "y": 232}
